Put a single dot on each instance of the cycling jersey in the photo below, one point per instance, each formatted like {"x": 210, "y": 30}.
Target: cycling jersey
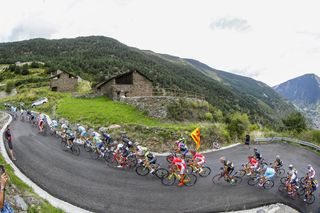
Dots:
{"x": 142, "y": 151}
{"x": 253, "y": 163}
{"x": 269, "y": 173}
{"x": 151, "y": 158}
{"x": 311, "y": 173}
{"x": 199, "y": 159}
{"x": 258, "y": 155}
{"x": 293, "y": 175}
{"x": 180, "y": 163}
{"x": 97, "y": 141}
{"x": 183, "y": 148}
{"x": 279, "y": 162}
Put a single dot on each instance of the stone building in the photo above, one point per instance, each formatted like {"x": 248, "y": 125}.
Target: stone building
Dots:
{"x": 130, "y": 84}
{"x": 63, "y": 81}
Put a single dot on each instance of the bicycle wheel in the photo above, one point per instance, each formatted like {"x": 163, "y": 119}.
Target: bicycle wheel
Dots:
{"x": 87, "y": 147}
{"x": 310, "y": 199}
{"x": 283, "y": 180}
{"x": 161, "y": 172}
{"x": 64, "y": 146}
{"x": 189, "y": 170}
{"x": 280, "y": 172}
{"x": 168, "y": 180}
{"x": 112, "y": 161}
{"x": 301, "y": 180}
{"x": 217, "y": 178}
{"x": 241, "y": 173}
{"x": 94, "y": 155}
{"x": 75, "y": 149}
{"x": 132, "y": 161}
{"x": 235, "y": 180}
{"x": 142, "y": 170}
{"x": 253, "y": 181}
{"x": 205, "y": 171}
{"x": 301, "y": 191}
{"x": 282, "y": 188}
{"x": 190, "y": 179}
{"x": 268, "y": 184}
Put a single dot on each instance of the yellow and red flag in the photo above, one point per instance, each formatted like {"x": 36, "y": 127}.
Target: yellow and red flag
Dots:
{"x": 195, "y": 135}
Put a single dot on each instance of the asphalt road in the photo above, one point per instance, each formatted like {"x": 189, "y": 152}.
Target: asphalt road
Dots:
{"x": 94, "y": 186}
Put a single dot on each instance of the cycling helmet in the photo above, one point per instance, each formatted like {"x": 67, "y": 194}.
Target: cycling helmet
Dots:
{"x": 78, "y": 125}
{"x": 255, "y": 149}
{"x": 290, "y": 166}
{"x": 222, "y": 159}
{"x": 278, "y": 157}
{"x": 150, "y": 155}
{"x": 250, "y": 156}
{"x": 309, "y": 166}
{"x": 130, "y": 143}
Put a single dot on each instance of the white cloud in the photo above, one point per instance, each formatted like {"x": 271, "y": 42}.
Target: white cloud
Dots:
{"x": 271, "y": 41}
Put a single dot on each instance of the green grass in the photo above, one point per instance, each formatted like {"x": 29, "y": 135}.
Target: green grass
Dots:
{"x": 101, "y": 111}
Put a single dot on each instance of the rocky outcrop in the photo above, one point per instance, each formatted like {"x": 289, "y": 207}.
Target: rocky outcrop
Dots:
{"x": 157, "y": 106}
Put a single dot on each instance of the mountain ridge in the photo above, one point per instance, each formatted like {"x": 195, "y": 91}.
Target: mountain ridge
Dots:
{"x": 94, "y": 57}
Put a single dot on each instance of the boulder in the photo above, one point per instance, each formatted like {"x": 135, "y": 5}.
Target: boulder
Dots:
{"x": 20, "y": 203}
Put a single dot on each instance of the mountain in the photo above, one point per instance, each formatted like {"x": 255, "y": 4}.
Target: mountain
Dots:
{"x": 95, "y": 57}
{"x": 304, "y": 93}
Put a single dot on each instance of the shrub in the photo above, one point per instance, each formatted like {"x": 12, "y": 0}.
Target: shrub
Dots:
{"x": 295, "y": 122}
{"x": 9, "y": 86}
{"x": 238, "y": 125}
{"x": 208, "y": 116}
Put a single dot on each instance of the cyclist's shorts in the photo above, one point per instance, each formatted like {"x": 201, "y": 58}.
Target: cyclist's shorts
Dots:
{"x": 71, "y": 139}
{"x": 41, "y": 123}
{"x": 99, "y": 145}
{"x": 182, "y": 169}
{"x": 153, "y": 161}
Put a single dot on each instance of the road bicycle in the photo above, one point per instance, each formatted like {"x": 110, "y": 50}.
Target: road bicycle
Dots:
{"x": 309, "y": 197}
{"x": 172, "y": 176}
{"x": 145, "y": 168}
{"x": 116, "y": 159}
{"x": 193, "y": 167}
{"x": 73, "y": 147}
{"x": 261, "y": 181}
{"x": 231, "y": 179}
{"x": 246, "y": 170}
{"x": 293, "y": 191}
{"x": 174, "y": 154}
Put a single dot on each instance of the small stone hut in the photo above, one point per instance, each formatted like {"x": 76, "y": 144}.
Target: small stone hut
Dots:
{"x": 130, "y": 84}
{"x": 62, "y": 81}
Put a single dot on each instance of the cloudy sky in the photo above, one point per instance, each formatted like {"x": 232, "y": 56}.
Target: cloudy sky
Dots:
{"x": 268, "y": 40}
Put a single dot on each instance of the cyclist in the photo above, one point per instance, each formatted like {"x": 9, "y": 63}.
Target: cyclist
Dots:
{"x": 228, "y": 167}
{"x": 277, "y": 163}
{"x": 98, "y": 143}
{"x": 257, "y": 154}
{"x": 41, "y": 120}
{"x": 82, "y": 132}
{"x": 141, "y": 152}
{"x": 293, "y": 178}
{"x": 314, "y": 184}
{"x": 267, "y": 174}
{"x": 180, "y": 165}
{"x": 311, "y": 172}
{"x": 198, "y": 159}
{"x": 70, "y": 137}
{"x": 253, "y": 163}
{"x": 151, "y": 158}
{"x": 182, "y": 147}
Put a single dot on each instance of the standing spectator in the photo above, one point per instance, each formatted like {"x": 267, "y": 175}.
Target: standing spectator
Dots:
{"x": 8, "y": 137}
{"x": 4, "y": 206}
{"x": 247, "y": 140}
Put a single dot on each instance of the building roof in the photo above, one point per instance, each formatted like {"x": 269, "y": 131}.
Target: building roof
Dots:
{"x": 63, "y": 72}
{"x": 118, "y": 76}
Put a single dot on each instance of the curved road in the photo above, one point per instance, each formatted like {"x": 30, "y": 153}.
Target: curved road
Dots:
{"x": 92, "y": 185}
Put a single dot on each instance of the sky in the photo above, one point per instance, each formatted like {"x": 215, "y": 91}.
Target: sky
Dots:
{"x": 269, "y": 40}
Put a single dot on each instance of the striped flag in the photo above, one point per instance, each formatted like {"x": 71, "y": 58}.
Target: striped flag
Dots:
{"x": 195, "y": 135}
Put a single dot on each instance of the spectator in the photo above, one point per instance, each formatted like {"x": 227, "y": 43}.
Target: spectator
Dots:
{"x": 247, "y": 140}
{"x": 4, "y": 206}
{"x": 8, "y": 137}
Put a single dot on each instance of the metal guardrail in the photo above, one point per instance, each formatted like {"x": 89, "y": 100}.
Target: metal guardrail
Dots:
{"x": 292, "y": 140}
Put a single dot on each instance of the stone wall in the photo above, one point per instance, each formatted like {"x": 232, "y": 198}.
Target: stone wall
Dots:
{"x": 155, "y": 106}
{"x": 64, "y": 83}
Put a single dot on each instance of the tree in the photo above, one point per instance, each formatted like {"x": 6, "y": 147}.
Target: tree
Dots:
{"x": 238, "y": 124}
{"x": 9, "y": 86}
{"x": 295, "y": 122}
{"x": 25, "y": 70}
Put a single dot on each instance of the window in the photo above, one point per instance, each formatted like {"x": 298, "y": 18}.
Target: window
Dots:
{"x": 125, "y": 79}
